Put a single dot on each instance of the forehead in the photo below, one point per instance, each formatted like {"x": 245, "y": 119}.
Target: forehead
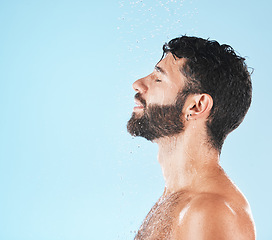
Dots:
{"x": 171, "y": 63}
{"x": 171, "y": 66}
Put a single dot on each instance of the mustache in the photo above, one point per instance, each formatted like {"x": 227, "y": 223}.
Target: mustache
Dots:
{"x": 140, "y": 98}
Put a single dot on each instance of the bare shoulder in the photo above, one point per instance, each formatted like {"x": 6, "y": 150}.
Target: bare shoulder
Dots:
{"x": 213, "y": 216}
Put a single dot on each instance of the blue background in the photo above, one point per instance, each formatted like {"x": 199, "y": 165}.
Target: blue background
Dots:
{"x": 68, "y": 168}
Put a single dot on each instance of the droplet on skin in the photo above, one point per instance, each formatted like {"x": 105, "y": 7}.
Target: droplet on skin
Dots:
{"x": 233, "y": 212}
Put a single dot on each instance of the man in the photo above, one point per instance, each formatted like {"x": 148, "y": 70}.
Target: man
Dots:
{"x": 197, "y": 94}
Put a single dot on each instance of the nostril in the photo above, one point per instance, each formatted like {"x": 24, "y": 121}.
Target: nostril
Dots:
{"x": 134, "y": 86}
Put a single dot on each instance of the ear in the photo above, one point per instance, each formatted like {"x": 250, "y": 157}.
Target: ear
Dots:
{"x": 199, "y": 106}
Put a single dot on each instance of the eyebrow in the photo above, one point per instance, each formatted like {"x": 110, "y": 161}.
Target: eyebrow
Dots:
{"x": 159, "y": 69}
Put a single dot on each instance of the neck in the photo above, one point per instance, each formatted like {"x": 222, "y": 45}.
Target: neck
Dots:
{"x": 186, "y": 162}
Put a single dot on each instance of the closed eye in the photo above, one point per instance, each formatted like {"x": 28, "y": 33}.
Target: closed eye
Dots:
{"x": 158, "y": 80}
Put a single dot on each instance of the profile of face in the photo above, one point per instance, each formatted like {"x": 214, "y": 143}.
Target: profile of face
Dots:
{"x": 159, "y": 101}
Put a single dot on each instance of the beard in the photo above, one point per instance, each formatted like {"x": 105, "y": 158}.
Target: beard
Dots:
{"x": 158, "y": 121}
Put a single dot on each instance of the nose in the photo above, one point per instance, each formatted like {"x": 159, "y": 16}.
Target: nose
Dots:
{"x": 140, "y": 86}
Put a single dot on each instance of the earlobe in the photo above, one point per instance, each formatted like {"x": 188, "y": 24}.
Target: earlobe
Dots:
{"x": 200, "y": 107}
{"x": 187, "y": 117}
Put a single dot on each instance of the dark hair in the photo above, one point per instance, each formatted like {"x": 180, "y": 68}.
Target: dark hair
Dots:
{"x": 218, "y": 71}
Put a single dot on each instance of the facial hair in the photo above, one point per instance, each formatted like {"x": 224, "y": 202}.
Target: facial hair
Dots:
{"x": 158, "y": 121}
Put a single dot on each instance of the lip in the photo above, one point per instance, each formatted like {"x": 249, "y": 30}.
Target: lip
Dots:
{"x": 139, "y": 105}
{"x": 137, "y": 108}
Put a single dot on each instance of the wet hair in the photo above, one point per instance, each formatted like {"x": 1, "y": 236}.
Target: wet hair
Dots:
{"x": 218, "y": 71}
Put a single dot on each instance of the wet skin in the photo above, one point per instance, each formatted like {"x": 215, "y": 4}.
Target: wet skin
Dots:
{"x": 218, "y": 211}
{"x": 199, "y": 200}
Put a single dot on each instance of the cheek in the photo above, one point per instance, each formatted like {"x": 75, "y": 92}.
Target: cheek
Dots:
{"x": 163, "y": 95}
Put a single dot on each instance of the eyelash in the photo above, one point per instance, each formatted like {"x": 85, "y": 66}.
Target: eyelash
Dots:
{"x": 158, "y": 80}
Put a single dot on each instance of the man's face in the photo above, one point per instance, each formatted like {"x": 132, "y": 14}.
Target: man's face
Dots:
{"x": 159, "y": 101}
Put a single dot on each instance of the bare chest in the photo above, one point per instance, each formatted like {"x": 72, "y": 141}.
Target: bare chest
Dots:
{"x": 158, "y": 223}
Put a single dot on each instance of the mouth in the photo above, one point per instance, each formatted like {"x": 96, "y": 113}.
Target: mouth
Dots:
{"x": 140, "y": 103}
{"x": 139, "y": 106}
